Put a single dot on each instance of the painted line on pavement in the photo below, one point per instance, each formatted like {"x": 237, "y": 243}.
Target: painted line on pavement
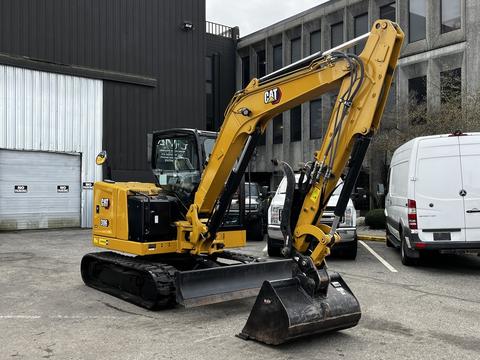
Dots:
{"x": 74, "y": 317}
{"x": 379, "y": 258}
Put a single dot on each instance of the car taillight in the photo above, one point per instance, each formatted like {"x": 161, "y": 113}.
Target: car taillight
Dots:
{"x": 412, "y": 214}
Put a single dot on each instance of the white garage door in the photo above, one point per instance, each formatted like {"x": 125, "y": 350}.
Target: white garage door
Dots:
{"x": 39, "y": 190}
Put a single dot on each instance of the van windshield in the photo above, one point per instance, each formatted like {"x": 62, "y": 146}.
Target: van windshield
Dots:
{"x": 282, "y": 188}
{"x": 251, "y": 189}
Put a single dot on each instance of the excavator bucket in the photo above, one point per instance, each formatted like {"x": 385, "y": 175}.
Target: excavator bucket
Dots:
{"x": 284, "y": 311}
{"x": 225, "y": 283}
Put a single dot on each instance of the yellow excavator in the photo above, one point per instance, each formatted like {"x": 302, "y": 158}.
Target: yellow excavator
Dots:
{"x": 177, "y": 229}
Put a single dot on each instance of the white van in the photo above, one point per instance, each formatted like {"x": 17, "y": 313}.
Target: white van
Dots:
{"x": 347, "y": 229}
{"x": 433, "y": 199}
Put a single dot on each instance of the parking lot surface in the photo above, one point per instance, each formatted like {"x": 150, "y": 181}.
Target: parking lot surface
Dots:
{"x": 427, "y": 312}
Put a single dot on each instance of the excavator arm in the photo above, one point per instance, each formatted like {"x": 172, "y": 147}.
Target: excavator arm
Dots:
{"x": 362, "y": 83}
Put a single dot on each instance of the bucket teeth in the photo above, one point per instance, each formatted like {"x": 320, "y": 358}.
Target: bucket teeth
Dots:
{"x": 284, "y": 311}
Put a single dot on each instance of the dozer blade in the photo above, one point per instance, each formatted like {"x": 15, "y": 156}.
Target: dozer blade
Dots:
{"x": 284, "y": 311}
{"x": 219, "y": 284}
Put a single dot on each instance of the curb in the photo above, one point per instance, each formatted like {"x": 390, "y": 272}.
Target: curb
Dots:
{"x": 378, "y": 238}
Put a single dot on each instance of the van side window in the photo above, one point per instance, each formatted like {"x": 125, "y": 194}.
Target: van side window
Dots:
{"x": 399, "y": 180}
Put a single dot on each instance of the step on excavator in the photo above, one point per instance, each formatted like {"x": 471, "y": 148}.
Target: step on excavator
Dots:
{"x": 176, "y": 232}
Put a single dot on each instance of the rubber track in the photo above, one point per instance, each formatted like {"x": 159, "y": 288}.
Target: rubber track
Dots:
{"x": 163, "y": 276}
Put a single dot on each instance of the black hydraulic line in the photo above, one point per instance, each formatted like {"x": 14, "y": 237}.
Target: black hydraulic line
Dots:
{"x": 358, "y": 154}
{"x": 285, "y": 225}
{"x": 346, "y": 102}
{"x": 232, "y": 184}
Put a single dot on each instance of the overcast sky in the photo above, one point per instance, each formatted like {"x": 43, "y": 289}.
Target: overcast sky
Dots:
{"x": 252, "y": 15}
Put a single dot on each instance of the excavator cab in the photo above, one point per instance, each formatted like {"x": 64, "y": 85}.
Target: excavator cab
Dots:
{"x": 178, "y": 157}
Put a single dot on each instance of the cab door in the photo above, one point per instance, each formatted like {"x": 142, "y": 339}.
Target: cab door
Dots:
{"x": 470, "y": 163}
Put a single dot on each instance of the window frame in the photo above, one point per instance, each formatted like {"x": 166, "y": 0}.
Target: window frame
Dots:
{"x": 335, "y": 25}
{"x": 410, "y": 23}
{"x": 441, "y": 17}
{"x": 275, "y": 120}
{"x": 320, "y": 118}
{"x": 296, "y": 40}
{"x": 296, "y": 124}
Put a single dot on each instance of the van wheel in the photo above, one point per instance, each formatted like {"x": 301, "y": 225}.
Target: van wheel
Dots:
{"x": 387, "y": 238}
{"x": 273, "y": 250}
{"x": 406, "y": 259}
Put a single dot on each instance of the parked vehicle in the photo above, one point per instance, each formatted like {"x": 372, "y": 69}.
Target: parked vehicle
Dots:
{"x": 433, "y": 199}
{"x": 347, "y": 229}
{"x": 255, "y": 210}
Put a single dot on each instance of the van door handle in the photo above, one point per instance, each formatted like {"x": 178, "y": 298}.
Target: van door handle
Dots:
{"x": 474, "y": 210}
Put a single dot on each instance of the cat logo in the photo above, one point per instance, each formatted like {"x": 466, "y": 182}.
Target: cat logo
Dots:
{"x": 272, "y": 96}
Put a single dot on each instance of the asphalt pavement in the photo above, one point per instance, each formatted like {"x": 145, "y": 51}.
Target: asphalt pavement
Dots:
{"x": 427, "y": 312}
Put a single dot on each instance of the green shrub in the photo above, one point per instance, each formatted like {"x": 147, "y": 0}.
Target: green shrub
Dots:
{"x": 375, "y": 219}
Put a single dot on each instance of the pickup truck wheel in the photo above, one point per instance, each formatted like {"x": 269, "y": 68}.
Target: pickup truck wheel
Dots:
{"x": 273, "y": 250}
{"x": 351, "y": 252}
{"x": 255, "y": 230}
{"x": 406, "y": 259}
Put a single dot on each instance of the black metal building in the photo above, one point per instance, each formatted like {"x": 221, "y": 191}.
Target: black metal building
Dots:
{"x": 159, "y": 67}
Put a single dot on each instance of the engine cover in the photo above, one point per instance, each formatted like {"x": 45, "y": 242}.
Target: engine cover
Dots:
{"x": 151, "y": 218}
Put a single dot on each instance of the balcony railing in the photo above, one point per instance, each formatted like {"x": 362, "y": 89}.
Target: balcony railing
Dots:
{"x": 219, "y": 30}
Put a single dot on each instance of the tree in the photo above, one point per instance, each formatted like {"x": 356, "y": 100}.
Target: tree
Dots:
{"x": 454, "y": 113}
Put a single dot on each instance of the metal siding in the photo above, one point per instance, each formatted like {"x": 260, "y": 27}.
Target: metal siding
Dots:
{"x": 224, "y": 74}
{"x": 142, "y": 37}
{"x": 54, "y": 113}
{"x": 42, "y": 206}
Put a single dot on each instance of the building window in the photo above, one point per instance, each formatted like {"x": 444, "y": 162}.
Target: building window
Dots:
{"x": 451, "y": 86}
{"x": 417, "y": 93}
{"x": 336, "y": 34}
{"x": 451, "y": 19}
{"x": 261, "y": 64}
{"x": 417, "y": 20}
{"x": 277, "y": 57}
{"x": 360, "y": 27}
{"x": 316, "y": 130}
{"x": 209, "y": 93}
{"x": 296, "y": 50}
{"x": 315, "y": 41}
{"x": 388, "y": 12}
{"x": 296, "y": 124}
{"x": 390, "y": 112}
{"x": 262, "y": 140}
{"x": 278, "y": 129}
{"x": 245, "y": 71}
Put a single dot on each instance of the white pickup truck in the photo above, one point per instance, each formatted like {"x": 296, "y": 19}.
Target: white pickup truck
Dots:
{"x": 347, "y": 229}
